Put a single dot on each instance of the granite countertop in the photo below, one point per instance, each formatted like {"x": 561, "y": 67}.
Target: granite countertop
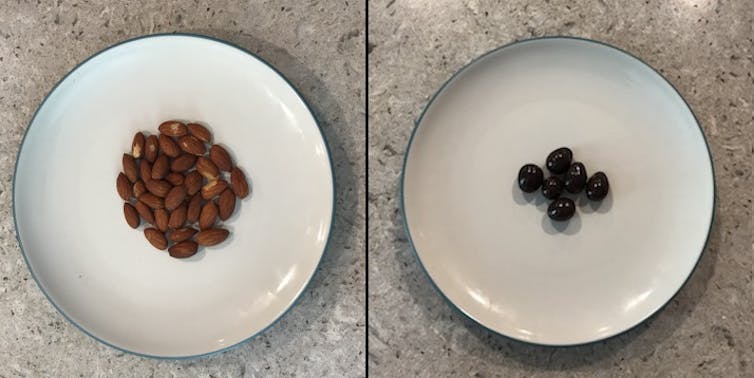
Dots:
{"x": 324, "y": 334}
{"x": 704, "y": 47}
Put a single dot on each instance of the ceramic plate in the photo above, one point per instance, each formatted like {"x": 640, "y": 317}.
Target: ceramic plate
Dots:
{"x": 103, "y": 275}
{"x": 494, "y": 253}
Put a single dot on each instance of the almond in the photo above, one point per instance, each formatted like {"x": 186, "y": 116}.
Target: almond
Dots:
{"x": 139, "y": 188}
{"x": 145, "y": 170}
{"x": 192, "y": 182}
{"x": 156, "y": 238}
{"x": 211, "y": 236}
{"x": 132, "y": 216}
{"x": 192, "y": 145}
{"x": 160, "y": 167}
{"x": 200, "y": 132}
{"x": 173, "y": 128}
{"x": 151, "y": 147}
{"x": 226, "y": 203}
{"x": 238, "y": 182}
{"x": 144, "y": 212}
{"x": 213, "y": 188}
{"x": 152, "y": 201}
{"x": 123, "y": 186}
{"x": 182, "y": 163}
{"x": 194, "y": 208}
{"x": 161, "y": 219}
{"x": 207, "y": 168}
{"x": 137, "y": 146}
{"x": 181, "y": 234}
{"x": 168, "y": 146}
{"x": 208, "y": 215}
{"x": 178, "y": 217}
{"x": 221, "y": 158}
{"x": 129, "y": 167}
{"x": 160, "y": 188}
{"x": 174, "y": 197}
{"x": 175, "y": 179}
{"x": 183, "y": 249}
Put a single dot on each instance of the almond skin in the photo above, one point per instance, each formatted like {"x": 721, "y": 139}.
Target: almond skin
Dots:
{"x": 137, "y": 146}
{"x": 160, "y": 167}
{"x": 174, "y": 197}
{"x": 208, "y": 215}
{"x": 151, "y": 147}
{"x": 192, "y": 182}
{"x": 139, "y": 188}
{"x": 161, "y": 219}
{"x": 156, "y": 238}
{"x": 168, "y": 146}
{"x": 192, "y": 145}
{"x": 226, "y": 203}
{"x": 214, "y": 188}
{"x": 144, "y": 212}
{"x": 221, "y": 158}
{"x": 129, "y": 168}
{"x": 182, "y": 163}
{"x": 178, "y": 217}
{"x": 194, "y": 208}
{"x": 173, "y": 128}
{"x": 207, "y": 168}
{"x": 239, "y": 183}
{"x": 152, "y": 201}
{"x": 175, "y": 178}
{"x": 183, "y": 249}
{"x": 160, "y": 188}
{"x": 181, "y": 234}
{"x": 132, "y": 216}
{"x": 123, "y": 186}
{"x": 145, "y": 170}
{"x": 200, "y": 132}
{"x": 211, "y": 236}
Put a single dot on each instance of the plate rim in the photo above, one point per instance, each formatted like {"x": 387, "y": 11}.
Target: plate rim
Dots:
{"x": 441, "y": 89}
{"x": 329, "y": 160}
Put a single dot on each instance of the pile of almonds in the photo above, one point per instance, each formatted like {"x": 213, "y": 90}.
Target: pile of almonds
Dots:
{"x": 176, "y": 185}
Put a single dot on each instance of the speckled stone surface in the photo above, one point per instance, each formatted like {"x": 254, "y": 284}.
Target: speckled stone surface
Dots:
{"x": 319, "y": 46}
{"x": 704, "y": 47}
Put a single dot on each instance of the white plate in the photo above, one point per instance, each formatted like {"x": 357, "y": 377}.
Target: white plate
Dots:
{"x": 492, "y": 251}
{"x": 103, "y": 275}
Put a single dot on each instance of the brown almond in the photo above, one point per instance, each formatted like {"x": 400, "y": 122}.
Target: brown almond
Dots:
{"x": 192, "y": 145}
{"x": 174, "y": 197}
{"x": 160, "y": 188}
{"x": 208, "y": 215}
{"x": 183, "y": 249}
{"x": 183, "y": 163}
{"x": 156, "y": 238}
{"x": 193, "y": 182}
{"x": 137, "y": 146}
{"x": 200, "y": 132}
{"x": 211, "y": 236}
{"x": 175, "y": 178}
{"x": 129, "y": 168}
{"x": 144, "y": 212}
{"x": 214, "y": 188}
{"x": 152, "y": 201}
{"x": 145, "y": 170}
{"x": 207, "y": 168}
{"x": 151, "y": 148}
{"x": 181, "y": 234}
{"x": 221, "y": 158}
{"x": 194, "y": 208}
{"x": 173, "y": 128}
{"x": 238, "y": 182}
{"x": 226, "y": 203}
{"x": 178, "y": 217}
{"x": 168, "y": 146}
{"x": 132, "y": 216}
{"x": 139, "y": 188}
{"x": 161, "y": 219}
{"x": 123, "y": 186}
{"x": 160, "y": 167}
